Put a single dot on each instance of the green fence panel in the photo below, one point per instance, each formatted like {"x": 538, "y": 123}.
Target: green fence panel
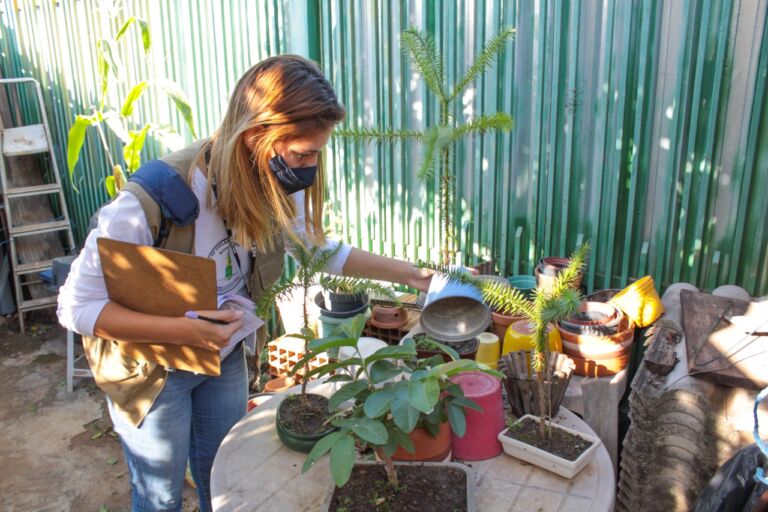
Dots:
{"x": 640, "y": 126}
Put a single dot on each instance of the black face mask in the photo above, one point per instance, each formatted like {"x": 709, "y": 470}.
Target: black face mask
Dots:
{"x": 292, "y": 179}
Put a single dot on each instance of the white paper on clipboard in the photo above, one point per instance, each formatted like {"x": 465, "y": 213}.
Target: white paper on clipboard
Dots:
{"x": 251, "y": 322}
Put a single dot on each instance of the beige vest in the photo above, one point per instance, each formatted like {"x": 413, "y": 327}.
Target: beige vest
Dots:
{"x": 133, "y": 385}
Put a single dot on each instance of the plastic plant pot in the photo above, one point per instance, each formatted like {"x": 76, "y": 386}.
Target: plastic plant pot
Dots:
{"x": 524, "y": 283}
{"x": 640, "y": 302}
{"x": 453, "y": 311}
{"x": 352, "y": 307}
{"x": 479, "y": 441}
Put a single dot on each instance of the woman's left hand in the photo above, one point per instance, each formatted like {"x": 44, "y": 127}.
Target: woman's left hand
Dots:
{"x": 420, "y": 278}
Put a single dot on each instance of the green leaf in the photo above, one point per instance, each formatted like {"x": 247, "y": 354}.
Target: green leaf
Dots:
{"x": 146, "y": 37}
{"x": 341, "y": 377}
{"x": 391, "y": 352}
{"x": 320, "y": 449}
{"x": 133, "y": 97}
{"x": 180, "y": 100}
{"x": 324, "y": 344}
{"x": 108, "y": 51}
{"x": 483, "y": 60}
{"x": 75, "y": 140}
{"x": 346, "y": 392}
{"x": 378, "y": 403}
{"x": 463, "y": 401}
{"x": 342, "y": 460}
{"x": 457, "y": 420}
{"x": 404, "y": 414}
{"x": 453, "y": 367}
{"x": 367, "y": 429}
{"x": 124, "y": 28}
{"x": 132, "y": 150}
{"x": 383, "y": 370}
{"x": 325, "y": 369}
{"x": 423, "y": 394}
{"x": 109, "y": 183}
{"x": 115, "y": 123}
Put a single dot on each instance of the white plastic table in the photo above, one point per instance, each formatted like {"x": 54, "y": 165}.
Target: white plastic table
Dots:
{"x": 253, "y": 470}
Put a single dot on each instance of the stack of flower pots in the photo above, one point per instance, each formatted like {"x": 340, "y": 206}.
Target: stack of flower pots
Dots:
{"x": 598, "y": 338}
{"x": 547, "y": 270}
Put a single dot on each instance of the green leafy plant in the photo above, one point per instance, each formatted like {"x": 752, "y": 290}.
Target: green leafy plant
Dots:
{"x": 547, "y": 306}
{"x": 119, "y": 120}
{"x": 312, "y": 261}
{"x": 391, "y": 393}
{"x": 441, "y": 138}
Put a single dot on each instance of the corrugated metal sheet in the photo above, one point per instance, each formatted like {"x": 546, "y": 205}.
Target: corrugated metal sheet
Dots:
{"x": 640, "y": 126}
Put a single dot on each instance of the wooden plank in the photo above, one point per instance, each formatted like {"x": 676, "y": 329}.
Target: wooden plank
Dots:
{"x": 25, "y": 140}
{"x": 660, "y": 357}
{"x": 717, "y": 350}
{"x": 48, "y": 188}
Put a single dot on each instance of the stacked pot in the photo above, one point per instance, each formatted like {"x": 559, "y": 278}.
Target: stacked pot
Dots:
{"x": 337, "y": 308}
{"x": 598, "y": 338}
{"x": 547, "y": 270}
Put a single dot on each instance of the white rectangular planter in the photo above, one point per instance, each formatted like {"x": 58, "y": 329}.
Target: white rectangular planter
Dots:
{"x": 466, "y": 469}
{"x": 546, "y": 460}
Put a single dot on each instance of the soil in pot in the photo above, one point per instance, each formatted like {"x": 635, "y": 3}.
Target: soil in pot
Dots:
{"x": 424, "y": 347}
{"x": 419, "y": 489}
{"x": 305, "y": 414}
{"x": 559, "y": 442}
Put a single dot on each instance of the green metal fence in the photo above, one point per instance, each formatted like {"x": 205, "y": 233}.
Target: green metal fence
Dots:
{"x": 640, "y": 126}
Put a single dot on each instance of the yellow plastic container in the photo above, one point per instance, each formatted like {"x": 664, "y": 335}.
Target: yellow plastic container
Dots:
{"x": 640, "y": 302}
{"x": 519, "y": 336}
{"x": 488, "y": 351}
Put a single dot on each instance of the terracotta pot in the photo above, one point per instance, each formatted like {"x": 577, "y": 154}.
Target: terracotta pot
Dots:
{"x": 389, "y": 317}
{"x": 602, "y": 295}
{"x": 428, "y": 448}
{"x": 600, "y": 356}
{"x": 547, "y": 270}
{"x": 595, "y": 318}
{"x": 502, "y": 322}
{"x": 279, "y": 384}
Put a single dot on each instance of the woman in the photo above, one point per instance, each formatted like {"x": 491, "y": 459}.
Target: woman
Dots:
{"x": 259, "y": 182}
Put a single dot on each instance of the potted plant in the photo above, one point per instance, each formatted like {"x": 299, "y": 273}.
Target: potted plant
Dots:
{"x": 540, "y": 376}
{"x": 440, "y": 139}
{"x": 427, "y": 346}
{"x": 345, "y": 297}
{"x": 302, "y": 419}
{"x": 386, "y": 398}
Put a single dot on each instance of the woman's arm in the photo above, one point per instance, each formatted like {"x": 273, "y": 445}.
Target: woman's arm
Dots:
{"x": 117, "y": 322}
{"x": 84, "y": 304}
{"x": 372, "y": 266}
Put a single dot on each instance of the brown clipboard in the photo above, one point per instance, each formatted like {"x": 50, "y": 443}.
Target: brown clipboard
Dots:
{"x": 165, "y": 283}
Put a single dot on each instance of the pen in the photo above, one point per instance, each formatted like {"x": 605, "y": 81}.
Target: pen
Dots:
{"x": 194, "y": 315}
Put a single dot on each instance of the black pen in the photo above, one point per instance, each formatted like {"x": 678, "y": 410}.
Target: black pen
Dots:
{"x": 194, "y": 315}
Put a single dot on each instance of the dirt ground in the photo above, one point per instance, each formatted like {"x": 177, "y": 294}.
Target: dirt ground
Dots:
{"x": 57, "y": 449}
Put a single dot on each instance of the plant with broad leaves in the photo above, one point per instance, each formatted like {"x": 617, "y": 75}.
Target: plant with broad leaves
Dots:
{"x": 312, "y": 260}
{"x": 391, "y": 393}
{"x": 132, "y": 135}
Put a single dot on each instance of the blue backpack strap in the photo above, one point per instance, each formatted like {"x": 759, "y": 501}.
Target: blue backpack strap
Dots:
{"x": 178, "y": 204}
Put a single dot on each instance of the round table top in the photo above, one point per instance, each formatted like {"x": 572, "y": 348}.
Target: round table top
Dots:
{"x": 253, "y": 470}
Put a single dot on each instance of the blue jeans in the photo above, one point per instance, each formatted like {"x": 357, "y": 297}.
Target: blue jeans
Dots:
{"x": 188, "y": 420}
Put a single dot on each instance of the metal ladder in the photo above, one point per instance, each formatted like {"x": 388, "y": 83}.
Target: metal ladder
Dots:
{"x": 29, "y": 140}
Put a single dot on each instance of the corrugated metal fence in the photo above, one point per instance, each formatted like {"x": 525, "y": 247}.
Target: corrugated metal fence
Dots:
{"x": 640, "y": 126}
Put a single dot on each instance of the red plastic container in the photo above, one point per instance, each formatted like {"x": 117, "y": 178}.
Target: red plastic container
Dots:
{"x": 480, "y": 441}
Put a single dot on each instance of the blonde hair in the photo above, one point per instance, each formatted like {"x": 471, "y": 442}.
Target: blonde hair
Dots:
{"x": 284, "y": 97}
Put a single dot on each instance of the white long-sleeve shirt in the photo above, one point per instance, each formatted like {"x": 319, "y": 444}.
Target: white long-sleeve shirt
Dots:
{"x": 84, "y": 294}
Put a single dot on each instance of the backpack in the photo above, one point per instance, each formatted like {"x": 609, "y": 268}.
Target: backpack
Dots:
{"x": 170, "y": 206}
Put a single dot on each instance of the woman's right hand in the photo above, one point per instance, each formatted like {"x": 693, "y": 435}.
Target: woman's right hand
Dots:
{"x": 212, "y": 336}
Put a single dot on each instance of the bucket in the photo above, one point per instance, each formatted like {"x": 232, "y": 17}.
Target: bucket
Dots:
{"x": 328, "y": 326}
{"x": 489, "y": 351}
{"x": 479, "y": 441}
{"x": 454, "y": 311}
{"x": 640, "y": 302}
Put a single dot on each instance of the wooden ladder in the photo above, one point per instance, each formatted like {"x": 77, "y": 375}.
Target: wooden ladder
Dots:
{"x": 16, "y": 142}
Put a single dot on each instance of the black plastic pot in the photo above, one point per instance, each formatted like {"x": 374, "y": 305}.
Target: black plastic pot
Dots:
{"x": 341, "y": 305}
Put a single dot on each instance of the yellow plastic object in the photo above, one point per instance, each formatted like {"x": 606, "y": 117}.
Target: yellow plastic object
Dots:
{"x": 519, "y": 336}
{"x": 640, "y": 302}
{"x": 488, "y": 352}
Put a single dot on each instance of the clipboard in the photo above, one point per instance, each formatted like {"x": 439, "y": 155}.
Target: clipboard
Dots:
{"x": 165, "y": 283}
